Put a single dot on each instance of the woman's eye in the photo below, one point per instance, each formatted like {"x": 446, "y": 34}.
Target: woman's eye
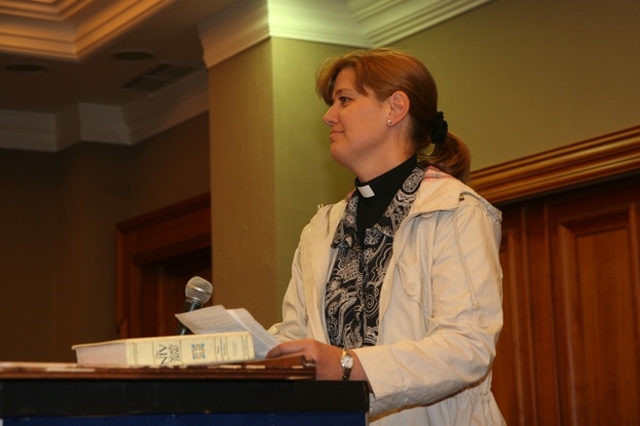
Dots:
{"x": 343, "y": 99}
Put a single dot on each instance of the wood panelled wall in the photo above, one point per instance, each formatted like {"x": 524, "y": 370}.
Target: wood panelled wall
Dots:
{"x": 569, "y": 353}
{"x": 156, "y": 255}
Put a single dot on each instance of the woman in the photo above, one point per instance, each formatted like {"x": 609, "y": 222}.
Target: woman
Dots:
{"x": 399, "y": 284}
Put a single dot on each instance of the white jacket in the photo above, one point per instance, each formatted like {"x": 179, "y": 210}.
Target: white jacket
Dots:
{"x": 440, "y": 307}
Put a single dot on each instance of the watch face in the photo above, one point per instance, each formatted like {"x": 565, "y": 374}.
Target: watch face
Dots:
{"x": 347, "y": 361}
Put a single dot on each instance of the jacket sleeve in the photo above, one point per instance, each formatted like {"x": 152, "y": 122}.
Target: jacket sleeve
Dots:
{"x": 294, "y": 312}
{"x": 461, "y": 269}
{"x": 302, "y": 315}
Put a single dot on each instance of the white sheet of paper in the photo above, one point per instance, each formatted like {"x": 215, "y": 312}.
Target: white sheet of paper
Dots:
{"x": 218, "y": 319}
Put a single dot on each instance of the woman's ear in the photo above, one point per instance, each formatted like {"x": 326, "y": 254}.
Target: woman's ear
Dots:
{"x": 398, "y": 106}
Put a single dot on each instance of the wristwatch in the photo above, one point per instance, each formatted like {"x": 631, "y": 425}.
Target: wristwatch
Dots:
{"x": 346, "y": 360}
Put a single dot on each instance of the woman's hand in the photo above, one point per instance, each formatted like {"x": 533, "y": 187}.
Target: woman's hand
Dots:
{"x": 325, "y": 357}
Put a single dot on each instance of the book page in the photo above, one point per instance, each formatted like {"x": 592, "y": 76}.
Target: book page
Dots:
{"x": 218, "y": 319}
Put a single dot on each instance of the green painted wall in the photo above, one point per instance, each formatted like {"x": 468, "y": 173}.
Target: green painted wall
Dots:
{"x": 242, "y": 182}
{"x": 270, "y": 168}
{"x": 518, "y": 78}
{"x": 305, "y": 173}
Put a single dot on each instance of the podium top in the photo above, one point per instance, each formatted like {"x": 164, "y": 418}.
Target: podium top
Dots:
{"x": 286, "y": 368}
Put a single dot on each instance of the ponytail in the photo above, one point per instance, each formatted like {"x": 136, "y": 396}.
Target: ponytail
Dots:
{"x": 450, "y": 155}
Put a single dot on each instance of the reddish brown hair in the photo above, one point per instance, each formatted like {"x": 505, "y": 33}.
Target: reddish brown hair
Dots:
{"x": 385, "y": 71}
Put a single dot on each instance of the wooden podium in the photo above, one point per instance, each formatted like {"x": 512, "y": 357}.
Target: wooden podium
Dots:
{"x": 256, "y": 394}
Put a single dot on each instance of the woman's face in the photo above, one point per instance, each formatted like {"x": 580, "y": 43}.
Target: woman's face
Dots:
{"x": 358, "y": 126}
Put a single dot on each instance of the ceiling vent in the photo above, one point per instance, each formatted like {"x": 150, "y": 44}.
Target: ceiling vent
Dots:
{"x": 158, "y": 77}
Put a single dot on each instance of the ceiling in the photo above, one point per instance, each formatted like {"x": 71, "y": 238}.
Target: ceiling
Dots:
{"x": 61, "y": 35}
{"x": 73, "y": 70}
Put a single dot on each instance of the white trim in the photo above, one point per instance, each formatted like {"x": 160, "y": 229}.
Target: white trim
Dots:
{"x": 243, "y": 24}
{"x": 103, "y": 123}
{"x": 329, "y": 21}
{"x": 68, "y": 126}
{"x": 385, "y": 22}
{"x": 358, "y": 23}
{"x": 28, "y": 130}
{"x": 59, "y": 31}
{"x": 235, "y": 29}
{"x": 173, "y": 105}
{"x": 126, "y": 125}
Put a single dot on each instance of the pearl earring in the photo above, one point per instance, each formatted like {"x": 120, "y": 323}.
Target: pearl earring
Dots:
{"x": 389, "y": 121}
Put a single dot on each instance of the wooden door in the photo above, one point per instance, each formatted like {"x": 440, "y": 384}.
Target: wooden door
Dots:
{"x": 594, "y": 240}
{"x": 569, "y": 352}
{"x": 513, "y": 382}
{"x": 157, "y": 254}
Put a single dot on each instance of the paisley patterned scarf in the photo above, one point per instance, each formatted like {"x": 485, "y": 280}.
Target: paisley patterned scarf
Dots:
{"x": 352, "y": 293}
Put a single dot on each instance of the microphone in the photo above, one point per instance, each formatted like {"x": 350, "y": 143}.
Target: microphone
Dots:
{"x": 198, "y": 292}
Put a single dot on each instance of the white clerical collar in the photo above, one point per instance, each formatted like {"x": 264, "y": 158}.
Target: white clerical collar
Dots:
{"x": 366, "y": 191}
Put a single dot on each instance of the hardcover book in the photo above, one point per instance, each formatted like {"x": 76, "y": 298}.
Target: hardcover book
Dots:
{"x": 196, "y": 349}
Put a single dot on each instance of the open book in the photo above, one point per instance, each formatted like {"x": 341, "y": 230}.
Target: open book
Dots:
{"x": 218, "y": 319}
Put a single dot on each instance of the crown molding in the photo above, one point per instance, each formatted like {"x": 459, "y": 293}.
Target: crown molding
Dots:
{"x": 233, "y": 30}
{"x": 171, "y": 106}
{"x": 249, "y": 22}
{"x": 68, "y": 123}
{"x": 385, "y": 22}
{"x": 356, "y": 23}
{"x": 328, "y": 22}
{"x": 54, "y": 132}
{"x": 47, "y": 11}
{"x": 243, "y": 24}
{"x": 148, "y": 116}
{"x": 41, "y": 39}
{"x": 103, "y": 123}
{"x": 126, "y": 125}
{"x": 59, "y": 31}
{"x": 28, "y": 131}
{"x": 115, "y": 19}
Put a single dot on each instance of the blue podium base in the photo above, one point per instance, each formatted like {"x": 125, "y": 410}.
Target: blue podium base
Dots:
{"x": 253, "y": 419}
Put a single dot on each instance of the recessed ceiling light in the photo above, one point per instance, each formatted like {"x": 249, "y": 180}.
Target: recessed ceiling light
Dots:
{"x": 29, "y": 69}
{"x": 132, "y": 56}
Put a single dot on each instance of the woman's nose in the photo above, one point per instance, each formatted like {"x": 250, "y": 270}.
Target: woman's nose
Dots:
{"x": 330, "y": 117}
